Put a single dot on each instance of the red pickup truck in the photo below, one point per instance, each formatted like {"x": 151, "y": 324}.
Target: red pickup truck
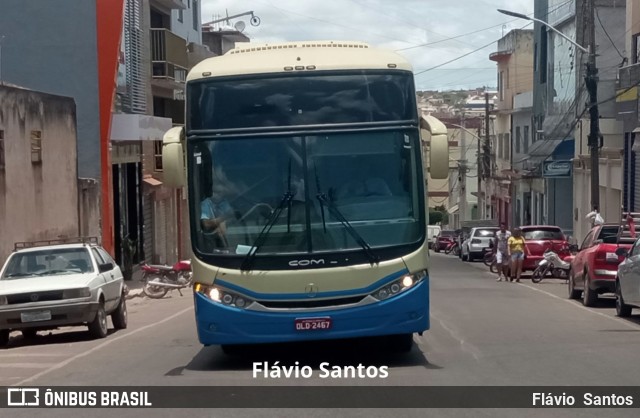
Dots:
{"x": 595, "y": 266}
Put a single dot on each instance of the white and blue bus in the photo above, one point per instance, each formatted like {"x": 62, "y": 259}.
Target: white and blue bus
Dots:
{"x": 303, "y": 164}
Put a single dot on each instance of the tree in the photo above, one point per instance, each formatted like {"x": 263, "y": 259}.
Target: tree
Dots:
{"x": 438, "y": 215}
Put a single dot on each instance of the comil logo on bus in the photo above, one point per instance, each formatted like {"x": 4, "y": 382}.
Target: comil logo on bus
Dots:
{"x": 304, "y": 263}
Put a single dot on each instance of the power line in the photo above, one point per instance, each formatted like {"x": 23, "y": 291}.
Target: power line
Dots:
{"x": 386, "y": 14}
{"x": 332, "y": 23}
{"x": 456, "y": 59}
{"x": 586, "y": 109}
{"x": 478, "y": 30}
{"x": 607, "y": 34}
{"x": 454, "y": 37}
{"x": 463, "y": 55}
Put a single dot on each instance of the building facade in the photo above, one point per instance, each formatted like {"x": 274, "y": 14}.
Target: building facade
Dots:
{"x": 79, "y": 47}
{"x": 514, "y": 58}
{"x": 38, "y": 170}
{"x": 627, "y": 97}
{"x": 561, "y": 115}
{"x": 150, "y": 45}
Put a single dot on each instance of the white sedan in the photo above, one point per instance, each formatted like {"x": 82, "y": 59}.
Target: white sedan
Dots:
{"x": 477, "y": 243}
{"x": 46, "y": 287}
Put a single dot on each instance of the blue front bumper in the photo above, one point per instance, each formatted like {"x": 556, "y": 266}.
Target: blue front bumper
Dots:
{"x": 405, "y": 313}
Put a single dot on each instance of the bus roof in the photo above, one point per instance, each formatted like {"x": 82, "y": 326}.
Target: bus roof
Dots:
{"x": 248, "y": 58}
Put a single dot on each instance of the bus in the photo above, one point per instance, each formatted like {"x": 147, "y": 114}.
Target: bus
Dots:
{"x": 303, "y": 167}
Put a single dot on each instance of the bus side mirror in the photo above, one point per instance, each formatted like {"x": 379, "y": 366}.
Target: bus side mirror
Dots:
{"x": 173, "y": 158}
{"x": 438, "y": 148}
{"x": 439, "y": 157}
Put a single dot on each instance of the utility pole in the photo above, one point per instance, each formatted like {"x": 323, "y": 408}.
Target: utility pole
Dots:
{"x": 1, "y": 39}
{"x": 486, "y": 157}
{"x": 591, "y": 81}
{"x": 479, "y": 173}
{"x": 462, "y": 174}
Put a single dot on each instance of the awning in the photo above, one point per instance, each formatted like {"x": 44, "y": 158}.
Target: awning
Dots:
{"x": 151, "y": 181}
{"x": 453, "y": 209}
{"x": 134, "y": 127}
{"x": 554, "y": 149}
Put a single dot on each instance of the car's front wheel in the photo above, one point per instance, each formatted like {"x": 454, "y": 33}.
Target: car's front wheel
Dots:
{"x": 98, "y": 327}
{"x": 622, "y": 310}
{"x": 120, "y": 317}
{"x": 4, "y": 337}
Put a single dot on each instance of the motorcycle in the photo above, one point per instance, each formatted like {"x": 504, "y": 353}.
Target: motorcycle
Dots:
{"x": 489, "y": 256}
{"x": 552, "y": 264}
{"x": 159, "y": 279}
{"x": 454, "y": 248}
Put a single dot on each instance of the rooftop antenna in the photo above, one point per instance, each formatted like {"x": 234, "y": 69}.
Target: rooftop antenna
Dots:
{"x": 255, "y": 20}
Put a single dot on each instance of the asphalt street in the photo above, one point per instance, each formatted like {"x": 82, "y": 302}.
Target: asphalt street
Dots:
{"x": 482, "y": 333}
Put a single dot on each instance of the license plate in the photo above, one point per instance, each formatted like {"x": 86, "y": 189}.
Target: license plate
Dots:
{"x": 312, "y": 324}
{"x": 612, "y": 257}
{"x": 35, "y": 316}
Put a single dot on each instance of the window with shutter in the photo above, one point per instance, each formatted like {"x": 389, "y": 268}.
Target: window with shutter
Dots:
{"x": 135, "y": 100}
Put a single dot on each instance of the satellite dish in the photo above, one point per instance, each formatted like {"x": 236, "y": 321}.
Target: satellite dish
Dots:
{"x": 239, "y": 25}
{"x": 255, "y": 20}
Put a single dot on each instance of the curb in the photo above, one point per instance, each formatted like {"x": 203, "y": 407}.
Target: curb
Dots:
{"x": 138, "y": 293}
{"x": 133, "y": 293}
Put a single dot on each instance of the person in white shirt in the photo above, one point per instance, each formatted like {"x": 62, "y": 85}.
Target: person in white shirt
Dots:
{"x": 594, "y": 217}
{"x": 502, "y": 256}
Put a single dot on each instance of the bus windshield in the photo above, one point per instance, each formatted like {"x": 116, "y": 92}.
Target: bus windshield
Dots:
{"x": 370, "y": 178}
{"x": 298, "y": 100}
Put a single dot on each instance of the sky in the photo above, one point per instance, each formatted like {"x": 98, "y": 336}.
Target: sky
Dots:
{"x": 404, "y": 26}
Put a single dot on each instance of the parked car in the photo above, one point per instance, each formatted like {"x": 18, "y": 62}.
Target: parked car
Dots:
{"x": 477, "y": 243}
{"x": 540, "y": 238}
{"x": 628, "y": 280}
{"x": 443, "y": 240}
{"x": 46, "y": 285}
{"x": 595, "y": 267}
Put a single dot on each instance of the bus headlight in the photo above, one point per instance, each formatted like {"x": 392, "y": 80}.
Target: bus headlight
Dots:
{"x": 3, "y": 300}
{"x": 222, "y": 296}
{"x": 398, "y": 286}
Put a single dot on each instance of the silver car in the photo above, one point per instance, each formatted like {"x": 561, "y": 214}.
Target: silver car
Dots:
{"x": 477, "y": 243}
{"x": 628, "y": 280}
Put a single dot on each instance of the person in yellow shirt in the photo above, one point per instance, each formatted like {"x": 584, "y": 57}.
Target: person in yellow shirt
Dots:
{"x": 517, "y": 248}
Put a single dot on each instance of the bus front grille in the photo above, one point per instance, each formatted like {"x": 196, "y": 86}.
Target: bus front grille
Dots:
{"x": 301, "y": 304}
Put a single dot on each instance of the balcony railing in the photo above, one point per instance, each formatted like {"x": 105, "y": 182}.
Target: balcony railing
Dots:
{"x": 168, "y": 56}
{"x": 628, "y": 76}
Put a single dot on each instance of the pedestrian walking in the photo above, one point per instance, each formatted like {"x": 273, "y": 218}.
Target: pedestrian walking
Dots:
{"x": 517, "y": 249}
{"x": 502, "y": 251}
{"x": 594, "y": 217}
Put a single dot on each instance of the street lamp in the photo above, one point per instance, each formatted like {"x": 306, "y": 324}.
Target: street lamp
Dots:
{"x": 591, "y": 81}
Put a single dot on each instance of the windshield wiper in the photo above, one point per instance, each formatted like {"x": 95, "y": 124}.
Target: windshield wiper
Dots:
{"x": 322, "y": 198}
{"x": 22, "y": 275}
{"x": 324, "y": 223}
{"x": 285, "y": 201}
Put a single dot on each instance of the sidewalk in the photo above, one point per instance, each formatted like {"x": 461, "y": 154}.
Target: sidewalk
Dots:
{"x": 134, "y": 286}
